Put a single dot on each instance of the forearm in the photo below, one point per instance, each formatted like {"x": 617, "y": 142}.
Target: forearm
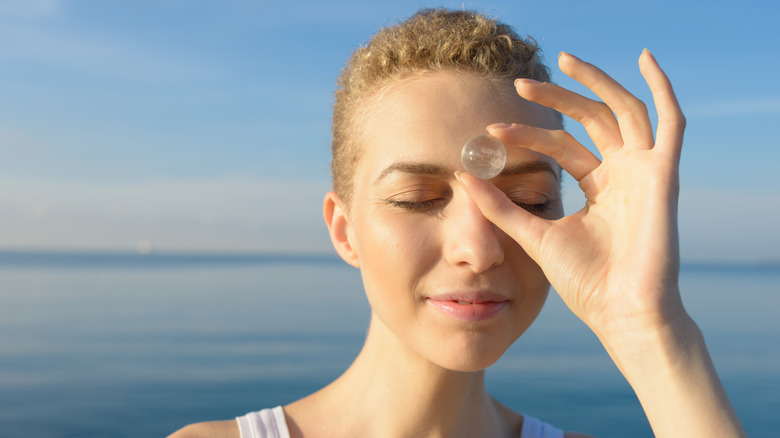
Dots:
{"x": 672, "y": 374}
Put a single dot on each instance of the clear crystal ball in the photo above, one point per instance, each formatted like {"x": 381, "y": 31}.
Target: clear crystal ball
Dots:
{"x": 484, "y": 156}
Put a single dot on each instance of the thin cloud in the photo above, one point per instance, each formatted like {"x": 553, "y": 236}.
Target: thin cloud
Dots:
{"x": 734, "y": 108}
{"x": 16, "y": 143}
{"x": 729, "y": 225}
{"x": 228, "y": 214}
{"x": 90, "y": 54}
{"x": 29, "y": 9}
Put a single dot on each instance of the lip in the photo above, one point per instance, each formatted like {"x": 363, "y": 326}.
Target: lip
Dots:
{"x": 469, "y": 306}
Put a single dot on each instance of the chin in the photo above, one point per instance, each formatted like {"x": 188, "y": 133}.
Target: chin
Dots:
{"x": 472, "y": 353}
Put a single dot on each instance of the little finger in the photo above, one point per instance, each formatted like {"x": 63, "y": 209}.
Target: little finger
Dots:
{"x": 671, "y": 121}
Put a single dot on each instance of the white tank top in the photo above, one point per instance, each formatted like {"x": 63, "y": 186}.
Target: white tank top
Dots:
{"x": 270, "y": 423}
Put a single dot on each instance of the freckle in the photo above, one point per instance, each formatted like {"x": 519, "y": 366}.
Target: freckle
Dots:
{"x": 484, "y": 156}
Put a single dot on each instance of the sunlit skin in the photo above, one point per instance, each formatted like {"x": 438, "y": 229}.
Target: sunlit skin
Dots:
{"x": 615, "y": 262}
{"x": 419, "y": 229}
{"x": 415, "y": 234}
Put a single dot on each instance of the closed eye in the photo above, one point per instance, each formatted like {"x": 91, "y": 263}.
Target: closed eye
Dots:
{"x": 414, "y": 206}
{"x": 537, "y": 209}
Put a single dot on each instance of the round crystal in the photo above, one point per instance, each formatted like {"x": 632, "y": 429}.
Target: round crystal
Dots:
{"x": 484, "y": 156}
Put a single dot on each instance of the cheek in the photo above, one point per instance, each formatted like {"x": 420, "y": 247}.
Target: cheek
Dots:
{"x": 395, "y": 243}
{"x": 396, "y": 252}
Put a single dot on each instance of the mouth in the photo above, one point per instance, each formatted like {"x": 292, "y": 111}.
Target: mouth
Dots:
{"x": 471, "y": 307}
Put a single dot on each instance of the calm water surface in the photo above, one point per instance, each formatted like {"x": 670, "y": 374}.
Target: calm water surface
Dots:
{"x": 129, "y": 346}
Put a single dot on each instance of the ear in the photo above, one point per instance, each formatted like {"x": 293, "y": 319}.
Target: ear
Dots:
{"x": 340, "y": 228}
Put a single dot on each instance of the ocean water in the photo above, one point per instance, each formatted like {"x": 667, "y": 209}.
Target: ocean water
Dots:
{"x": 113, "y": 345}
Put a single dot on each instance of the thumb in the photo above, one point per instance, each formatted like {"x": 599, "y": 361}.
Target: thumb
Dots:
{"x": 522, "y": 226}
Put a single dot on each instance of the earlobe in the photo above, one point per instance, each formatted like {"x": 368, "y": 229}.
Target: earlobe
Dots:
{"x": 339, "y": 227}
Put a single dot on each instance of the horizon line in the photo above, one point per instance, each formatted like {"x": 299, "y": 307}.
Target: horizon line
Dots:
{"x": 58, "y": 256}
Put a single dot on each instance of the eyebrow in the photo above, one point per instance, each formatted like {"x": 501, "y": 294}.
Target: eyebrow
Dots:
{"x": 530, "y": 167}
{"x": 413, "y": 168}
{"x": 416, "y": 168}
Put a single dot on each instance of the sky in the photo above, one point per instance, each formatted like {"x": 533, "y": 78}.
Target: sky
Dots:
{"x": 189, "y": 125}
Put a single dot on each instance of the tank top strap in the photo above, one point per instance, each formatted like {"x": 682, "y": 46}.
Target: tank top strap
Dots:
{"x": 535, "y": 428}
{"x": 268, "y": 423}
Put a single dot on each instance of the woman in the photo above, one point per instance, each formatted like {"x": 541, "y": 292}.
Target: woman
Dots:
{"x": 457, "y": 268}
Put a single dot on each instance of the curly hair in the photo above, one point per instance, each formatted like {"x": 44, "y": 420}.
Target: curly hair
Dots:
{"x": 431, "y": 40}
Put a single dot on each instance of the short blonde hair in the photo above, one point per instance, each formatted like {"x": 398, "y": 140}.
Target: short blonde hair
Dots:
{"x": 431, "y": 40}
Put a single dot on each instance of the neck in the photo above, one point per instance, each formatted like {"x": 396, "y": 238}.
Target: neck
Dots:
{"x": 392, "y": 391}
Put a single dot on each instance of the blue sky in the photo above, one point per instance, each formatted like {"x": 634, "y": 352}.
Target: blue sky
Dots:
{"x": 204, "y": 126}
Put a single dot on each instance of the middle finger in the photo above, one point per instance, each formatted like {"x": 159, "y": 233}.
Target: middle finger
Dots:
{"x": 595, "y": 117}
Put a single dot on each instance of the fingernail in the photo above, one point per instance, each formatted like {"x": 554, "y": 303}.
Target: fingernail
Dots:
{"x": 500, "y": 126}
{"x": 528, "y": 81}
{"x": 562, "y": 54}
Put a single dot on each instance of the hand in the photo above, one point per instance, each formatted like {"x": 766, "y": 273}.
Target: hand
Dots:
{"x": 615, "y": 262}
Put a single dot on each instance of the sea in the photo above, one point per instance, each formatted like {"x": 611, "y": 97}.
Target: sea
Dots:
{"x": 130, "y": 345}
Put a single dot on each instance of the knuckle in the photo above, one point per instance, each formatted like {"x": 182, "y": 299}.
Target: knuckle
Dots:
{"x": 599, "y": 111}
{"x": 674, "y": 119}
{"x": 557, "y": 149}
{"x": 629, "y": 107}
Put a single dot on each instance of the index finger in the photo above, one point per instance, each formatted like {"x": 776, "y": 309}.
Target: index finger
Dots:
{"x": 525, "y": 228}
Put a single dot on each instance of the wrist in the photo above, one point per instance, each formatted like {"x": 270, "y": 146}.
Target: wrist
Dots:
{"x": 650, "y": 321}
{"x": 668, "y": 366}
{"x": 651, "y": 345}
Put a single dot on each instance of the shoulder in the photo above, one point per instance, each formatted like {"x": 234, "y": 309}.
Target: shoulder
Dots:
{"x": 215, "y": 429}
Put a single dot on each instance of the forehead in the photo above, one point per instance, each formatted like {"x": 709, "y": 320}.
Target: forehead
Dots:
{"x": 429, "y": 117}
{"x": 453, "y": 99}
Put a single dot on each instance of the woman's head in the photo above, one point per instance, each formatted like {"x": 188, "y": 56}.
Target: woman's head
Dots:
{"x": 429, "y": 41}
{"x": 442, "y": 279}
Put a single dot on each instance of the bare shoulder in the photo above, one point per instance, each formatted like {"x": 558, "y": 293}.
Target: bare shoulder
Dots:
{"x": 576, "y": 435}
{"x": 215, "y": 429}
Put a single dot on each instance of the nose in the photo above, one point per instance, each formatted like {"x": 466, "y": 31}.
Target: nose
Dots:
{"x": 470, "y": 240}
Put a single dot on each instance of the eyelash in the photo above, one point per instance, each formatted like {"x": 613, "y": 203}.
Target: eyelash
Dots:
{"x": 536, "y": 209}
{"x": 417, "y": 206}
{"x": 422, "y": 206}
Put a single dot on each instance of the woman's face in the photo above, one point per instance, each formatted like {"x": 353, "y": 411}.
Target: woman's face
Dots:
{"x": 449, "y": 284}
